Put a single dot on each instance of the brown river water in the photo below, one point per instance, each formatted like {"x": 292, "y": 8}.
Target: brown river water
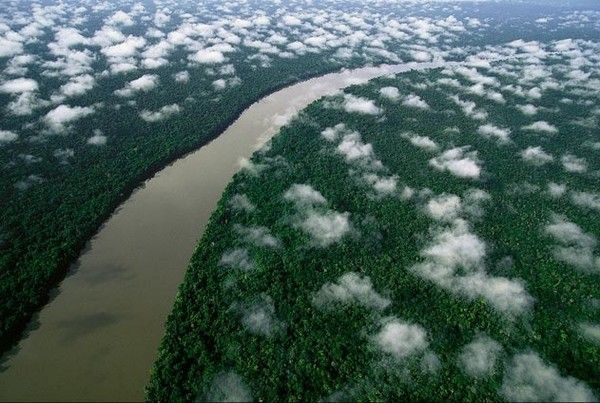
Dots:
{"x": 98, "y": 337}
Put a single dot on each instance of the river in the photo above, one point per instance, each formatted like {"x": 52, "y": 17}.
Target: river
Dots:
{"x": 97, "y": 338}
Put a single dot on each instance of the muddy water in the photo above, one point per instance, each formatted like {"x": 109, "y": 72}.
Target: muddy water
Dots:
{"x": 97, "y": 339}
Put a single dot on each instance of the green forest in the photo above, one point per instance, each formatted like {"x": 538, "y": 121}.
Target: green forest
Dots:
{"x": 270, "y": 309}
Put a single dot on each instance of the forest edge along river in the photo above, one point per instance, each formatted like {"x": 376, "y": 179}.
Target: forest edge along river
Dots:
{"x": 97, "y": 338}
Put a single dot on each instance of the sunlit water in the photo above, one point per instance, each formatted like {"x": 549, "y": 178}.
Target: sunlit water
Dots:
{"x": 97, "y": 339}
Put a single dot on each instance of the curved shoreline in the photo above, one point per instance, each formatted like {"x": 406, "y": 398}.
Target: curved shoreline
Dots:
{"x": 62, "y": 338}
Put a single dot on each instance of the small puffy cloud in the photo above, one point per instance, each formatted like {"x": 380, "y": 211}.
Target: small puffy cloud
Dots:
{"x": 241, "y": 202}
{"x": 208, "y": 56}
{"x": 259, "y": 317}
{"x": 128, "y": 48}
{"x": 77, "y": 85}
{"x": 227, "y": 387}
{"x": 353, "y": 104}
{"x": 59, "y": 118}
{"x": 541, "y": 127}
{"x": 420, "y": 55}
{"x": 351, "y": 288}
{"x": 444, "y": 207}
{"x": 143, "y": 84}
{"x": 489, "y": 130}
{"x": 469, "y": 108}
{"x": 7, "y": 136}
{"x": 401, "y": 339}
{"x": 257, "y": 236}
{"x": 528, "y": 378}
{"x": 528, "y": 109}
{"x": 458, "y": 162}
{"x": 415, "y": 101}
{"x": 332, "y": 133}
{"x": 423, "y": 142}
{"x": 304, "y": 195}
{"x": 219, "y": 84}
{"x": 352, "y": 148}
{"x": 382, "y": 185}
{"x": 454, "y": 260}
{"x": 291, "y": 21}
{"x": 19, "y": 86}
{"x": 237, "y": 258}
{"x": 536, "y": 156}
{"x": 182, "y": 77}
{"x": 9, "y": 47}
{"x": 98, "y": 139}
{"x": 590, "y": 331}
{"x": 571, "y": 163}
{"x": 326, "y": 228}
{"x": 391, "y": 93}
{"x": 120, "y": 18}
{"x": 586, "y": 200}
{"x": 163, "y": 113}
{"x": 574, "y": 246}
{"x": 556, "y": 189}
{"x": 478, "y": 358}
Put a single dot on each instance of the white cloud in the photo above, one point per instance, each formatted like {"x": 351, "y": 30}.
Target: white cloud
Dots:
{"x": 10, "y": 47}
{"x": 536, "y": 156}
{"x": 571, "y": 163}
{"x": 528, "y": 378}
{"x": 351, "y": 288}
{"x": 590, "y": 331}
{"x": 19, "y": 86}
{"x": 182, "y": 77}
{"x": 120, "y": 18}
{"x": 528, "y": 109}
{"x": 469, "y": 108}
{"x": 128, "y": 48}
{"x": 586, "y": 199}
{"x": 228, "y": 387}
{"x": 259, "y": 317}
{"x": 575, "y": 247}
{"x": 489, "y": 130}
{"x": 353, "y": 148}
{"x": 458, "y": 163}
{"x": 556, "y": 189}
{"x": 241, "y": 202}
{"x": 7, "y": 136}
{"x": 237, "y": 258}
{"x": 454, "y": 260}
{"x": 163, "y": 113}
{"x": 360, "y": 105}
{"x": 423, "y": 142}
{"x": 401, "y": 339}
{"x": 326, "y": 228}
{"x": 98, "y": 139}
{"x": 291, "y": 21}
{"x": 541, "y": 127}
{"x": 391, "y": 93}
{"x": 304, "y": 195}
{"x": 58, "y": 118}
{"x": 415, "y": 101}
{"x": 77, "y": 85}
{"x": 257, "y": 236}
{"x": 479, "y": 357}
{"x": 444, "y": 207}
{"x": 143, "y": 84}
{"x": 207, "y": 56}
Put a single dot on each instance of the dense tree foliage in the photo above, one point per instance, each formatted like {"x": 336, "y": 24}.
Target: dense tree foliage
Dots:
{"x": 318, "y": 352}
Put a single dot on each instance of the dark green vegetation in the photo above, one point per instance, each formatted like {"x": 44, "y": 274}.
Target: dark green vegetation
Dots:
{"x": 316, "y": 353}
